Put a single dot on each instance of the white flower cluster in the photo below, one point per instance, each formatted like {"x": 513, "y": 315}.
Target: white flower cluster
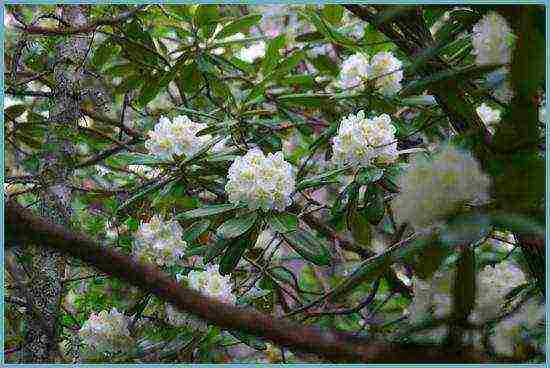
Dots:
{"x": 361, "y": 140}
{"x": 183, "y": 319}
{"x": 176, "y": 137}
{"x": 493, "y": 42}
{"x": 432, "y": 295}
{"x": 493, "y": 283}
{"x": 106, "y": 332}
{"x": 354, "y": 71}
{"x": 433, "y": 189}
{"x": 159, "y": 241}
{"x": 146, "y": 171}
{"x": 507, "y": 335}
{"x": 384, "y": 69}
{"x": 261, "y": 181}
{"x": 253, "y": 52}
{"x": 212, "y": 284}
{"x": 492, "y": 39}
{"x": 387, "y": 72}
{"x": 490, "y": 117}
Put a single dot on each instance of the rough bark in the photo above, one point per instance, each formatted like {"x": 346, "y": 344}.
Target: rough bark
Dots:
{"x": 47, "y": 267}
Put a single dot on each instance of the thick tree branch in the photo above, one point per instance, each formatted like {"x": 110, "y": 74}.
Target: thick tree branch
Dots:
{"x": 21, "y": 224}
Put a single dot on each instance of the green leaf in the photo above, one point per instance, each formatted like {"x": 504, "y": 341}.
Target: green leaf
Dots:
{"x": 310, "y": 247}
{"x": 150, "y": 89}
{"x": 191, "y": 78}
{"x": 252, "y": 341}
{"x": 463, "y": 74}
{"x": 369, "y": 175}
{"x": 215, "y": 249}
{"x": 14, "y": 111}
{"x": 140, "y": 159}
{"x": 360, "y": 228}
{"x": 309, "y": 36}
{"x": 132, "y": 224}
{"x": 205, "y": 211}
{"x": 283, "y": 222}
{"x": 196, "y": 251}
{"x": 239, "y": 25}
{"x": 272, "y": 54}
{"x": 132, "y": 82}
{"x": 203, "y": 150}
{"x": 319, "y": 180}
{"x": 195, "y": 230}
{"x": 103, "y": 53}
{"x": 237, "y": 226}
{"x": 465, "y": 229}
{"x": 325, "y": 65}
{"x": 279, "y": 71}
{"x": 368, "y": 270}
{"x": 232, "y": 256}
{"x": 517, "y": 223}
{"x": 140, "y": 194}
{"x": 205, "y": 17}
{"x": 304, "y": 99}
{"x": 333, "y": 13}
{"x": 422, "y": 100}
{"x": 303, "y": 80}
{"x": 374, "y": 210}
{"x": 325, "y": 28}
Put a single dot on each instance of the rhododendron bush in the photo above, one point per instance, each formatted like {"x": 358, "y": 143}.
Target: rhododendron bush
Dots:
{"x": 373, "y": 171}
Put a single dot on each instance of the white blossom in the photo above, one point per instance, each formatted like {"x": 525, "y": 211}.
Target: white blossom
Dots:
{"x": 361, "y": 140}
{"x": 178, "y": 318}
{"x": 433, "y": 189}
{"x": 493, "y": 283}
{"x": 159, "y": 241}
{"x": 212, "y": 284}
{"x": 253, "y": 52}
{"x": 490, "y": 117}
{"x": 147, "y": 171}
{"x": 387, "y": 72}
{"x": 493, "y": 40}
{"x": 432, "y": 295}
{"x": 261, "y": 181}
{"x": 354, "y": 71}
{"x": 507, "y": 334}
{"x": 106, "y": 332}
{"x": 176, "y": 137}
{"x": 493, "y": 43}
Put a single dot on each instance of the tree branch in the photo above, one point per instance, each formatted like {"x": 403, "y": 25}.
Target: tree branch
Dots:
{"x": 21, "y": 224}
{"x": 45, "y": 31}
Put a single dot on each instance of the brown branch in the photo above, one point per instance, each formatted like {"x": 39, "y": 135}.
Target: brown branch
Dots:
{"x": 22, "y": 224}
{"x": 45, "y": 31}
{"x": 107, "y": 153}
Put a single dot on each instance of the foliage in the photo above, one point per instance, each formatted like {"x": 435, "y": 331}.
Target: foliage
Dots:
{"x": 330, "y": 251}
